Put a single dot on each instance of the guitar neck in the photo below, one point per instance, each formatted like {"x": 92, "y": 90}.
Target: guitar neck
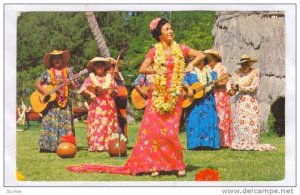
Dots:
{"x": 74, "y": 77}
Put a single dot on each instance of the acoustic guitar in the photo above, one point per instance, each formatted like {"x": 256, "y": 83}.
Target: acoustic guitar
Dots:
{"x": 39, "y": 102}
{"x": 199, "y": 91}
{"x": 138, "y": 101}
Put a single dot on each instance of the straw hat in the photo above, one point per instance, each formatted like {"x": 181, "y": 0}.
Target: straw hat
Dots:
{"x": 91, "y": 63}
{"x": 246, "y": 58}
{"x": 214, "y": 53}
{"x": 65, "y": 57}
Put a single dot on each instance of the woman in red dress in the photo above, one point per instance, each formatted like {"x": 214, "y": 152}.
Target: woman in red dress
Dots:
{"x": 157, "y": 147}
{"x": 102, "y": 117}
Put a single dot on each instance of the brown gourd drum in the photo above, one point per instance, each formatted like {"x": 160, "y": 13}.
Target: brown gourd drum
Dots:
{"x": 66, "y": 150}
{"x": 113, "y": 148}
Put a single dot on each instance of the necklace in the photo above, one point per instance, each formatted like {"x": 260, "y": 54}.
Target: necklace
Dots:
{"x": 165, "y": 96}
{"x": 62, "y": 94}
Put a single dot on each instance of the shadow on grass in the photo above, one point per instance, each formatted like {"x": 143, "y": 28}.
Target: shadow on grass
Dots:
{"x": 188, "y": 169}
{"x": 79, "y": 148}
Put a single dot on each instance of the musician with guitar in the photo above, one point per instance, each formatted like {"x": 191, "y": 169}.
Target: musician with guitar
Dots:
{"x": 139, "y": 94}
{"x": 101, "y": 89}
{"x": 52, "y": 100}
{"x": 201, "y": 116}
{"x": 222, "y": 97}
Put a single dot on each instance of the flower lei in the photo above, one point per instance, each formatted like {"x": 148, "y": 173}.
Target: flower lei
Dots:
{"x": 165, "y": 97}
{"x": 62, "y": 97}
{"x": 106, "y": 83}
{"x": 208, "y": 174}
{"x": 203, "y": 76}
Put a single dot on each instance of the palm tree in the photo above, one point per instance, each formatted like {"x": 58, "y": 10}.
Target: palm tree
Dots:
{"x": 97, "y": 34}
{"x": 104, "y": 50}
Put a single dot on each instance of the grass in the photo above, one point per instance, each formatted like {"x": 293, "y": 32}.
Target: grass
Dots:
{"x": 232, "y": 165}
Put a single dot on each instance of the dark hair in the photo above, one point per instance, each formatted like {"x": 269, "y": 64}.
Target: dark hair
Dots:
{"x": 157, "y": 31}
{"x": 245, "y": 63}
{"x": 214, "y": 57}
{"x": 55, "y": 56}
{"x": 205, "y": 60}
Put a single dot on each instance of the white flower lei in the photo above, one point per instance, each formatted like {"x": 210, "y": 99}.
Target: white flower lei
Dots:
{"x": 160, "y": 92}
{"x": 105, "y": 85}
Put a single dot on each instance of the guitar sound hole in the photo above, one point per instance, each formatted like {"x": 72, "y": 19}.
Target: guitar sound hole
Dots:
{"x": 46, "y": 99}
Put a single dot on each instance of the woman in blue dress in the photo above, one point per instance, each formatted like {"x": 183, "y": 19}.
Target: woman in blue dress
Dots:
{"x": 202, "y": 119}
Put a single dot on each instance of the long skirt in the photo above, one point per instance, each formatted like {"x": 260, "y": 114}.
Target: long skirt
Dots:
{"x": 247, "y": 126}
{"x": 224, "y": 117}
{"x": 202, "y": 124}
{"x": 56, "y": 123}
{"x": 157, "y": 146}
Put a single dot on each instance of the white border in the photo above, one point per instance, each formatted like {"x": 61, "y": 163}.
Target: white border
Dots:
{"x": 10, "y": 87}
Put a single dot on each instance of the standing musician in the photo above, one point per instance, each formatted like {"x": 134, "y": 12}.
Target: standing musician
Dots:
{"x": 102, "y": 117}
{"x": 57, "y": 119}
{"x": 201, "y": 117}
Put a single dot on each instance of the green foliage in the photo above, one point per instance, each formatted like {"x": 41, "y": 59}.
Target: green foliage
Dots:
{"x": 42, "y": 32}
{"x": 271, "y": 129}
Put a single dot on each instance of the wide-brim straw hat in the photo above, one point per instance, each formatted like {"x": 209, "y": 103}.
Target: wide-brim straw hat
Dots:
{"x": 91, "y": 63}
{"x": 246, "y": 58}
{"x": 213, "y": 53}
{"x": 65, "y": 57}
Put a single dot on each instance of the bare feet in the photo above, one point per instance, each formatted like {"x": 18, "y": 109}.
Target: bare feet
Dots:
{"x": 154, "y": 173}
{"x": 181, "y": 173}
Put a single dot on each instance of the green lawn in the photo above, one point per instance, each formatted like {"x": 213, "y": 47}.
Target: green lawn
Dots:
{"x": 232, "y": 165}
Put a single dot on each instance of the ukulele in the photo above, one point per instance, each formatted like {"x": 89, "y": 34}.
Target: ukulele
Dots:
{"x": 40, "y": 102}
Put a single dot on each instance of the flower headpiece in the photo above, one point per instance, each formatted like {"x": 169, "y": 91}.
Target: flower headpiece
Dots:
{"x": 154, "y": 23}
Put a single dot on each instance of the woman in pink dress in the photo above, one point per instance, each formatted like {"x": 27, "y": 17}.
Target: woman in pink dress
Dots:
{"x": 157, "y": 147}
{"x": 221, "y": 96}
{"x": 102, "y": 117}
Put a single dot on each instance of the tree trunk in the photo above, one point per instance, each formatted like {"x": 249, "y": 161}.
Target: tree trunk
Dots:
{"x": 104, "y": 52}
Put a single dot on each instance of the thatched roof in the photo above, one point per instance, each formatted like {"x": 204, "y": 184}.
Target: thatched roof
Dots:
{"x": 262, "y": 36}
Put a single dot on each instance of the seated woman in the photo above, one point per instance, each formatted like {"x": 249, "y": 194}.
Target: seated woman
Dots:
{"x": 202, "y": 119}
{"x": 102, "y": 117}
{"x": 246, "y": 123}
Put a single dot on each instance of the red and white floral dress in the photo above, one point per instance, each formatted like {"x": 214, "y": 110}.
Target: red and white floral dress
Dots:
{"x": 223, "y": 109}
{"x": 102, "y": 117}
{"x": 246, "y": 121}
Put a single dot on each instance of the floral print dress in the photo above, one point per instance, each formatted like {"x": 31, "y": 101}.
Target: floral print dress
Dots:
{"x": 223, "y": 109}
{"x": 157, "y": 147}
{"x": 202, "y": 119}
{"x": 56, "y": 121}
{"x": 102, "y": 117}
{"x": 246, "y": 122}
